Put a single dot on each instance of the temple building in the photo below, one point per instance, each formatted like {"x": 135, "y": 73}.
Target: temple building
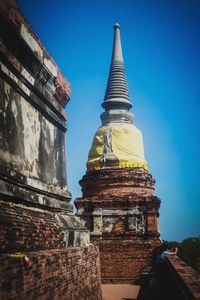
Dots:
{"x": 118, "y": 204}
{"x": 46, "y": 251}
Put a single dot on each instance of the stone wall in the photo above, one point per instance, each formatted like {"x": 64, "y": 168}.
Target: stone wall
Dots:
{"x": 72, "y": 273}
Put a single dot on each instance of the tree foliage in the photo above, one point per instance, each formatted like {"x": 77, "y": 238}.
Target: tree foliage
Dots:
{"x": 188, "y": 251}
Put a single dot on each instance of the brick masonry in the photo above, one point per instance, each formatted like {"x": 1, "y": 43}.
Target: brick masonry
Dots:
{"x": 121, "y": 211}
{"x": 72, "y": 273}
{"x": 27, "y": 229}
{"x": 122, "y": 261}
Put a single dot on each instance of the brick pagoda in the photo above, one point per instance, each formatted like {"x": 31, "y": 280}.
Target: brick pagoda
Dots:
{"x": 118, "y": 205}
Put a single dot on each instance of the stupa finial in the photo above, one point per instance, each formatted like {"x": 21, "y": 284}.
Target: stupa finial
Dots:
{"x": 116, "y": 25}
{"x": 117, "y": 100}
{"x": 117, "y": 93}
{"x": 117, "y": 49}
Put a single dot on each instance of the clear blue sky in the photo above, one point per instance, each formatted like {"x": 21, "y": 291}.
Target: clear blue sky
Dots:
{"x": 161, "y": 48}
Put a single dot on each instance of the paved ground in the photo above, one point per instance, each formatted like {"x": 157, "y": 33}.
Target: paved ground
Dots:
{"x": 120, "y": 291}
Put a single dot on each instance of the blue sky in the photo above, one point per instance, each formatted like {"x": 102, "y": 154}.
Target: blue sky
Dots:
{"x": 161, "y": 49}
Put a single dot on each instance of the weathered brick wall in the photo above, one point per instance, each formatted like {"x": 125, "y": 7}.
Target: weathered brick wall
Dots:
{"x": 72, "y": 273}
{"x": 106, "y": 182}
{"x": 122, "y": 261}
{"x": 121, "y": 211}
{"x": 28, "y": 229}
{"x": 24, "y": 228}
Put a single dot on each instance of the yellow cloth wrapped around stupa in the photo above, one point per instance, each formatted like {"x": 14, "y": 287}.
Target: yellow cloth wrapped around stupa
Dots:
{"x": 123, "y": 141}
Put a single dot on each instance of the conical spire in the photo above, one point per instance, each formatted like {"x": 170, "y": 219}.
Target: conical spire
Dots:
{"x": 117, "y": 93}
{"x": 117, "y": 143}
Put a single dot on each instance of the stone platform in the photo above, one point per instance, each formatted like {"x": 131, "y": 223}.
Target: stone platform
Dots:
{"x": 120, "y": 291}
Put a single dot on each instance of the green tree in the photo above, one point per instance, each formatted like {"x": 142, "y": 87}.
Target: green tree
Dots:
{"x": 189, "y": 250}
{"x": 171, "y": 244}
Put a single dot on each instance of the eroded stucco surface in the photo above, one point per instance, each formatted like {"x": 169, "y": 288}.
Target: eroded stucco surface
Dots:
{"x": 30, "y": 143}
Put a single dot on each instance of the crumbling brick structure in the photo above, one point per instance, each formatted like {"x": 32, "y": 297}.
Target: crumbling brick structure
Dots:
{"x": 121, "y": 211}
{"x": 36, "y": 217}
